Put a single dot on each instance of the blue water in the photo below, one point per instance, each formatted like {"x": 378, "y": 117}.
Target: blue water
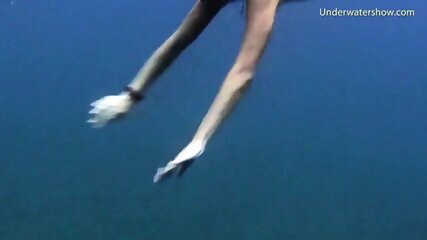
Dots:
{"x": 329, "y": 143}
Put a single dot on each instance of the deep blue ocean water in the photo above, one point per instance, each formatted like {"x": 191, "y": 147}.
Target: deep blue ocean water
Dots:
{"x": 329, "y": 143}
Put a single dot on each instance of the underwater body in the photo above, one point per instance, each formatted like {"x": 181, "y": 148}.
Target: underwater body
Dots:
{"x": 329, "y": 142}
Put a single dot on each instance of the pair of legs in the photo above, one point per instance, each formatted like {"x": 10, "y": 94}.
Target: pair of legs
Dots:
{"x": 260, "y": 19}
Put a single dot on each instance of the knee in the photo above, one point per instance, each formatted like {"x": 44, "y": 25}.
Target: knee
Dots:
{"x": 241, "y": 80}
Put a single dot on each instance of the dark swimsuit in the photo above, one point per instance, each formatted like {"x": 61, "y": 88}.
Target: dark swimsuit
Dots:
{"x": 229, "y": 1}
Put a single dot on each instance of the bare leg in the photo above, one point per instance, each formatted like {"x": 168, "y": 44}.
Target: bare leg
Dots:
{"x": 114, "y": 106}
{"x": 261, "y": 14}
{"x": 195, "y": 22}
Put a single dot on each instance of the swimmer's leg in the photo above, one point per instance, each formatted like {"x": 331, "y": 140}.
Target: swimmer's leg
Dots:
{"x": 192, "y": 26}
{"x": 261, "y": 16}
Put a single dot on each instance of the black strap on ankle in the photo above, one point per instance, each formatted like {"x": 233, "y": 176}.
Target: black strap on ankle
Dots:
{"x": 134, "y": 95}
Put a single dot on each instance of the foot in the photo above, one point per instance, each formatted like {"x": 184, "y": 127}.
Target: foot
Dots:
{"x": 165, "y": 172}
{"x": 182, "y": 161}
